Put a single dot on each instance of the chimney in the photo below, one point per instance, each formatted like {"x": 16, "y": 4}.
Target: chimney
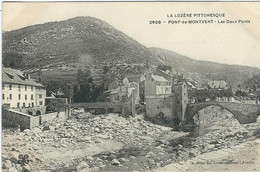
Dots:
{"x": 26, "y": 75}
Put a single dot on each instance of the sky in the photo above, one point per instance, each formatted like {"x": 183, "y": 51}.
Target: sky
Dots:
{"x": 225, "y": 43}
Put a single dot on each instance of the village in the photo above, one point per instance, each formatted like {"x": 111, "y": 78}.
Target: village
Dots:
{"x": 144, "y": 123}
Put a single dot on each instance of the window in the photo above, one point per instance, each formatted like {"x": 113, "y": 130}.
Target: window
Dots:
{"x": 32, "y": 88}
{"x": 19, "y": 87}
{"x": 29, "y": 105}
{"x": 23, "y": 104}
{"x": 3, "y": 96}
{"x": 18, "y": 104}
{"x": 184, "y": 94}
{"x": 25, "y": 97}
{"x": 3, "y": 86}
{"x": 25, "y": 87}
{"x": 10, "y": 96}
{"x": 40, "y": 102}
{"x": 39, "y": 88}
{"x": 31, "y": 97}
{"x": 32, "y": 104}
{"x": 10, "y": 86}
{"x": 40, "y": 96}
{"x": 19, "y": 96}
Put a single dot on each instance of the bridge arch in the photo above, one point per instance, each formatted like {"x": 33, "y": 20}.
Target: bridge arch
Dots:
{"x": 193, "y": 110}
{"x": 210, "y": 115}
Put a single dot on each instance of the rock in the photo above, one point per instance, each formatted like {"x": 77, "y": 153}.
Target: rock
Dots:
{"x": 85, "y": 169}
{"x": 7, "y": 164}
{"x": 4, "y": 157}
{"x": 103, "y": 136}
{"x": 97, "y": 130}
{"x": 36, "y": 130}
{"x": 99, "y": 164}
{"x": 123, "y": 160}
{"x": 90, "y": 158}
{"x": 13, "y": 169}
{"x": 52, "y": 128}
{"x": 26, "y": 168}
{"x": 179, "y": 146}
{"x": 86, "y": 139}
{"x": 46, "y": 128}
{"x": 82, "y": 165}
{"x": 19, "y": 167}
{"x": 14, "y": 157}
{"x": 27, "y": 131}
{"x": 97, "y": 141}
{"x": 115, "y": 162}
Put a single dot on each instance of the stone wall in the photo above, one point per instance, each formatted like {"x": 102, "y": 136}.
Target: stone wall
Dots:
{"x": 160, "y": 110}
{"x": 12, "y": 118}
{"x": 51, "y": 116}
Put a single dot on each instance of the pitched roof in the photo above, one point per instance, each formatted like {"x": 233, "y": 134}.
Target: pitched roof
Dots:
{"x": 217, "y": 84}
{"x": 159, "y": 78}
{"x": 14, "y": 76}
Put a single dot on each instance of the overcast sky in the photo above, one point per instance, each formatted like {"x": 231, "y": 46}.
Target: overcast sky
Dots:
{"x": 224, "y": 43}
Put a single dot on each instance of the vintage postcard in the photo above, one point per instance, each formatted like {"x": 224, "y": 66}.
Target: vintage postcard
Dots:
{"x": 130, "y": 86}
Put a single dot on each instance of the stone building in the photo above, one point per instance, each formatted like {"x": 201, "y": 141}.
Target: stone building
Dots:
{"x": 165, "y": 101}
{"x": 20, "y": 91}
{"x": 125, "y": 90}
{"x": 218, "y": 85}
{"x": 157, "y": 91}
{"x": 180, "y": 91}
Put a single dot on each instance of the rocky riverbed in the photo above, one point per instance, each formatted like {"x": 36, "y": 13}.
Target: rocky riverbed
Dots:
{"x": 112, "y": 143}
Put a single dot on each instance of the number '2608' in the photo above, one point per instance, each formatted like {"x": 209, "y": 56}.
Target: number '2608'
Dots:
{"x": 155, "y": 22}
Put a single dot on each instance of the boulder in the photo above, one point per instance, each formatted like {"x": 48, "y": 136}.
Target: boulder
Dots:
{"x": 85, "y": 169}
{"x": 13, "y": 169}
{"x": 82, "y": 165}
{"x": 45, "y": 128}
{"x": 36, "y": 130}
{"x": 103, "y": 136}
{"x": 90, "y": 158}
{"x": 7, "y": 164}
{"x": 14, "y": 157}
{"x": 26, "y": 168}
{"x": 97, "y": 130}
{"x": 86, "y": 139}
{"x": 115, "y": 162}
{"x": 123, "y": 160}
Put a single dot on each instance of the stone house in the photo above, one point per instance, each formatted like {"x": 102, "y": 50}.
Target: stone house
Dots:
{"x": 217, "y": 85}
{"x": 20, "y": 91}
{"x": 156, "y": 85}
{"x": 117, "y": 94}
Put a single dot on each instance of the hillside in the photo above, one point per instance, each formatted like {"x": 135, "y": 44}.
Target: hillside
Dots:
{"x": 84, "y": 40}
{"x": 56, "y": 50}
{"x": 205, "y": 70}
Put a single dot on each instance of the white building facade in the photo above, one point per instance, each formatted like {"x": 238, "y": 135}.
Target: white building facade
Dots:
{"x": 19, "y": 90}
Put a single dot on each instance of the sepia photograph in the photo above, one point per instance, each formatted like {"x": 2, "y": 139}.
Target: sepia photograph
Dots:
{"x": 130, "y": 86}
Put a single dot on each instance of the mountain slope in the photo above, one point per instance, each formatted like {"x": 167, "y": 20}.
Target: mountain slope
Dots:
{"x": 59, "y": 49}
{"x": 205, "y": 70}
{"x": 81, "y": 39}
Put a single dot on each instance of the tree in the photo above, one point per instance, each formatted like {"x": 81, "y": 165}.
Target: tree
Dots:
{"x": 67, "y": 89}
{"x": 52, "y": 86}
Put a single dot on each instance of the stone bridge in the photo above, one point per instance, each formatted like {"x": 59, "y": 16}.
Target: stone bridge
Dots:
{"x": 244, "y": 113}
{"x": 126, "y": 108}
